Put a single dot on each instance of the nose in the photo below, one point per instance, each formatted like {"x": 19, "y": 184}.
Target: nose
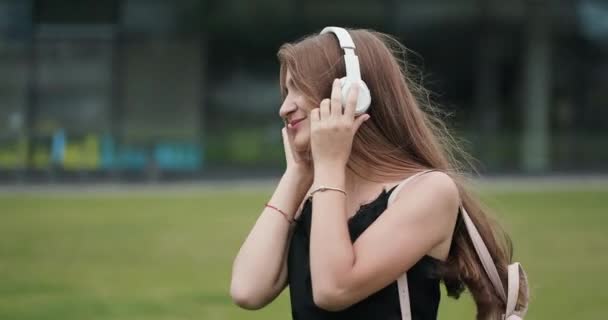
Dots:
{"x": 287, "y": 107}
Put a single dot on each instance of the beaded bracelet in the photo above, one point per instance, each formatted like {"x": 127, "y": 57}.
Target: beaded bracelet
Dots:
{"x": 290, "y": 220}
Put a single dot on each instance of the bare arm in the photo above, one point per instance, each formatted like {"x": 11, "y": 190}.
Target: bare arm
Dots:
{"x": 259, "y": 271}
{"x": 343, "y": 273}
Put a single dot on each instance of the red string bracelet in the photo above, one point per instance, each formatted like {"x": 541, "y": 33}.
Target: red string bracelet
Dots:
{"x": 289, "y": 220}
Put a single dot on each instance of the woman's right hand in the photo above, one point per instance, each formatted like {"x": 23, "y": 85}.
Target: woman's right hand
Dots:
{"x": 298, "y": 163}
{"x": 259, "y": 271}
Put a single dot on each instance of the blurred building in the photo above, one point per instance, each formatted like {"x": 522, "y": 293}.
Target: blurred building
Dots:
{"x": 125, "y": 89}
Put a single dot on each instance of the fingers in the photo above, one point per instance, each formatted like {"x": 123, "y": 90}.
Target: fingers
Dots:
{"x": 315, "y": 115}
{"x": 290, "y": 154}
{"x": 287, "y": 138}
{"x": 286, "y": 142}
{"x": 336, "y": 98}
{"x": 335, "y": 107}
{"x": 351, "y": 100}
{"x": 284, "y": 135}
{"x": 325, "y": 111}
{"x": 359, "y": 121}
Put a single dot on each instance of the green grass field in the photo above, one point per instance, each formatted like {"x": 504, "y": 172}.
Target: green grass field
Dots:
{"x": 168, "y": 256}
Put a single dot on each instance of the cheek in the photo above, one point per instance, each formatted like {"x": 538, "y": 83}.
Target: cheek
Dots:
{"x": 302, "y": 138}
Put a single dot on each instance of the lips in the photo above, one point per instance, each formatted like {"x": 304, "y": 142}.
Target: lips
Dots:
{"x": 292, "y": 123}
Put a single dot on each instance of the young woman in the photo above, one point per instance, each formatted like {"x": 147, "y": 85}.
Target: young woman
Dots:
{"x": 328, "y": 231}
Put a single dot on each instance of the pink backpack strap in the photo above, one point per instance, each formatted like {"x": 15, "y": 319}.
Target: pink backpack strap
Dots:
{"x": 484, "y": 254}
{"x": 511, "y": 296}
{"x": 404, "y": 295}
{"x": 514, "y": 270}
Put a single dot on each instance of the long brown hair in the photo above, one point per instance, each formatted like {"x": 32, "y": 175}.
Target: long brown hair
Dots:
{"x": 405, "y": 134}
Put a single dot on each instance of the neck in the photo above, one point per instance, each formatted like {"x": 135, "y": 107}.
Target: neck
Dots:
{"x": 357, "y": 185}
{"x": 368, "y": 184}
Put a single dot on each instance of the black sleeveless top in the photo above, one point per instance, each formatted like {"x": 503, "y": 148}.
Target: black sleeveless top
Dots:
{"x": 423, "y": 279}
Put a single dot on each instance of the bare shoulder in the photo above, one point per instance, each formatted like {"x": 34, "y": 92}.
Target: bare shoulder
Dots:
{"x": 441, "y": 182}
{"x": 434, "y": 187}
{"x": 428, "y": 204}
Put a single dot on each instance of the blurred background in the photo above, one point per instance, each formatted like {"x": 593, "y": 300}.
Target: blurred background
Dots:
{"x": 128, "y": 129}
{"x": 157, "y": 89}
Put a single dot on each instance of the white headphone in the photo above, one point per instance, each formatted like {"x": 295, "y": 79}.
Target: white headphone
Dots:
{"x": 353, "y": 72}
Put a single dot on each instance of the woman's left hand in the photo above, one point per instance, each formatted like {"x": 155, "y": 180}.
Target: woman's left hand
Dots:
{"x": 333, "y": 126}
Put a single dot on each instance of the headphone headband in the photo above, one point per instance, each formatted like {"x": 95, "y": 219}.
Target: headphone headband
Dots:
{"x": 350, "y": 59}
{"x": 343, "y": 37}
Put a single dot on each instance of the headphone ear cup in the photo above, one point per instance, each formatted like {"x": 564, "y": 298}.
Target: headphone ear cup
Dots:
{"x": 363, "y": 100}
